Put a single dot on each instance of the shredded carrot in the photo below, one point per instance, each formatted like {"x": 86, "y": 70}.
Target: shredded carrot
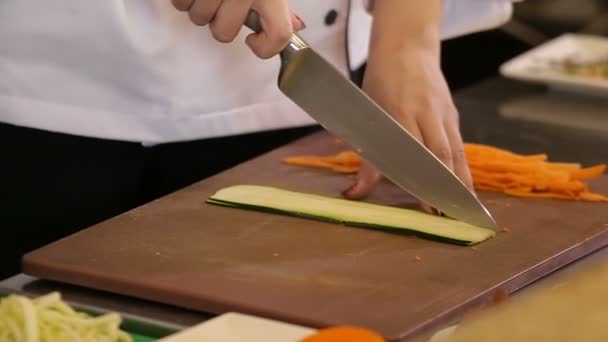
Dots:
{"x": 588, "y": 172}
{"x": 496, "y": 169}
{"x": 418, "y": 258}
{"x": 344, "y": 334}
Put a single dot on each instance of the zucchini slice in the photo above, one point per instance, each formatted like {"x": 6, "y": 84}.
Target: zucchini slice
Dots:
{"x": 351, "y": 213}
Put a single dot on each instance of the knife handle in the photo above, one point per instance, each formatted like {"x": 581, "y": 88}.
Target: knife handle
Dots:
{"x": 253, "y": 22}
{"x": 296, "y": 43}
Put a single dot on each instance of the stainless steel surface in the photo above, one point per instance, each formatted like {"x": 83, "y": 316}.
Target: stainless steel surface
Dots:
{"x": 347, "y": 112}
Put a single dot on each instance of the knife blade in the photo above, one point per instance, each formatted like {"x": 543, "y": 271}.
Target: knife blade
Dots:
{"x": 347, "y": 112}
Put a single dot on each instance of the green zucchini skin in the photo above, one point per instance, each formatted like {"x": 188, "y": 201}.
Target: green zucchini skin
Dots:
{"x": 222, "y": 199}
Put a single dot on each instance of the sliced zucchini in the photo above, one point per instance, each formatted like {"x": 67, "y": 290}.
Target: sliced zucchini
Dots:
{"x": 351, "y": 213}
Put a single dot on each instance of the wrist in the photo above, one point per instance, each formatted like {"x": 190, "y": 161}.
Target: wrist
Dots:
{"x": 401, "y": 27}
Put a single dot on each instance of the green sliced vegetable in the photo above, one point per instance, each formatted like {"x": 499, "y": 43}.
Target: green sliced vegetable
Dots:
{"x": 352, "y": 213}
{"x": 49, "y": 318}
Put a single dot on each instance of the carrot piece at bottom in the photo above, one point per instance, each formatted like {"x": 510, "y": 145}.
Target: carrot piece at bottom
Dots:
{"x": 344, "y": 334}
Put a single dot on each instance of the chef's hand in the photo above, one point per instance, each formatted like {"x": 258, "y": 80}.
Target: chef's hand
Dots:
{"x": 404, "y": 77}
{"x": 226, "y": 18}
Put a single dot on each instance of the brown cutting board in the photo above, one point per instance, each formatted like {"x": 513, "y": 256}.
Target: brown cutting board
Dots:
{"x": 181, "y": 251}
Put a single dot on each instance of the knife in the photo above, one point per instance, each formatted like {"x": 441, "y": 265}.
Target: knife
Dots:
{"x": 344, "y": 110}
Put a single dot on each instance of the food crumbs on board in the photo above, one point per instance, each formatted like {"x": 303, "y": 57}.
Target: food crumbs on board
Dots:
{"x": 505, "y": 230}
{"x": 359, "y": 150}
{"x": 418, "y": 258}
{"x": 475, "y": 248}
{"x": 507, "y": 204}
{"x": 275, "y": 254}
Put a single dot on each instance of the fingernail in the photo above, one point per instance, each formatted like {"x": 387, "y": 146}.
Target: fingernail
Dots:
{"x": 350, "y": 188}
{"x": 302, "y": 24}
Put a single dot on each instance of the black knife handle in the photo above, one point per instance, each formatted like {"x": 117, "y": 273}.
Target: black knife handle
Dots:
{"x": 253, "y": 22}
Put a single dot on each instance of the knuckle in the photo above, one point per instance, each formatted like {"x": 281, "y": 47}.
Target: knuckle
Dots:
{"x": 443, "y": 153}
{"x": 222, "y": 36}
{"x": 281, "y": 36}
{"x": 425, "y": 104}
{"x": 260, "y": 52}
{"x": 459, "y": 155}
{"x": 199, "y": 17}
{"x": 453, "y": 112}
{"x": 181, "y": 5}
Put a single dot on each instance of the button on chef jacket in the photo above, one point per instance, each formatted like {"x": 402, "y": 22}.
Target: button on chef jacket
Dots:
{"x": 138, "y": 70}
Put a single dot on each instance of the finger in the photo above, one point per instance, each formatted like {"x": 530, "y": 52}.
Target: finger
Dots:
{"x": 202, "y": 11}
{"x": 412, "y": 127}
{"x": 367, "y": 178}
{"x": 436, "y": 139}
{"x": 182, "y": 5}
{"x": 275, "y": 19}
{"x": 459, "y": 157}
{"x": 297, "y": 22}
{"x": 229, "y": 19}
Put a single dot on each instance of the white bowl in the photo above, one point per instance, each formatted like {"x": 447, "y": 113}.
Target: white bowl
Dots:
{"x": 235, "y": 327}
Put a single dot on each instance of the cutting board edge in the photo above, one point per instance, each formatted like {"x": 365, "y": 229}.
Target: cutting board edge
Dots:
{"x": 516, "y": 283}
{"x": 42, "y": 270}
{"x": 39, "y": 268}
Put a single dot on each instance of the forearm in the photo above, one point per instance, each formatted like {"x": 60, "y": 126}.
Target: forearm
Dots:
{"x": 400, "y": 26}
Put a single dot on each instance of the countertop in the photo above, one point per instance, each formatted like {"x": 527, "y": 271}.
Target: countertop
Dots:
{"x": 525, "y": 118}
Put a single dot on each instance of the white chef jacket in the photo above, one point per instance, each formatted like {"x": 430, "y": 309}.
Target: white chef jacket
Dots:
{"x": 138, "y": 70}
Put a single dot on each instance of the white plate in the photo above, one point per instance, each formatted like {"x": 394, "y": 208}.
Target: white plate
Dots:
{"x": 234, "y": 327}
{"x": 538, "y": 64}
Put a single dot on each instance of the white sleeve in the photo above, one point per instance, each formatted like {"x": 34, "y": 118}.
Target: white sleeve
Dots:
{"x": 461, "y": 17}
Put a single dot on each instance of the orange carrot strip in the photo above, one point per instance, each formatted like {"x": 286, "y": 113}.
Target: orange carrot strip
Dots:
{"x": 309, "y": 162}
{"x": 345, "y": 169}
{"x": 348, "y": 157}
{"x": 344, "y": 334}
{"x": 495, "y": 169}
{"x": 549, "y": 195}
{"x": 563, "y": 166}
{"x": 569, "y": 187}
{"x": 591, "y": 197}
{"x": 588, "y": 172}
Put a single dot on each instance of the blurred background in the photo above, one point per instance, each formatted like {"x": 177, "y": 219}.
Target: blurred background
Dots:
{"x": 534, "y": 22}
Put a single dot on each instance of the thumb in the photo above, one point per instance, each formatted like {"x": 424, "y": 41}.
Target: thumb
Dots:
{"x": 367, "y": 179}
